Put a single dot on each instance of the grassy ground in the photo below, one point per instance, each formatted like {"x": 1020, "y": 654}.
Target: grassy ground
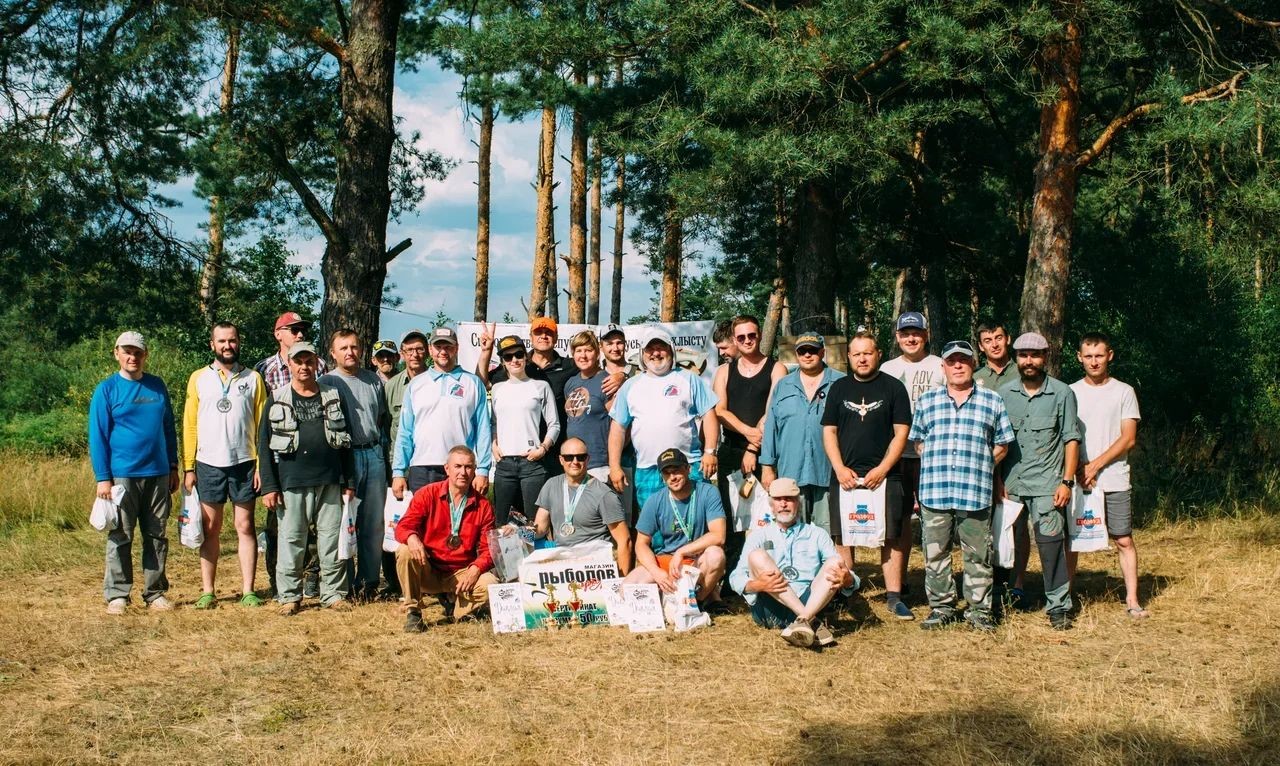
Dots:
{"x": 1198, "y": 682}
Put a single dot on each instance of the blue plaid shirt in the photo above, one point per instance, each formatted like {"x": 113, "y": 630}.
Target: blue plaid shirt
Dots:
{"x": 956, "y": 466}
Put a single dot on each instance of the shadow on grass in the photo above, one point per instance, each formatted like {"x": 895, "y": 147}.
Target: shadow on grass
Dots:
{"x": 1104, "y": 586}
{"x": 992, "y": 734}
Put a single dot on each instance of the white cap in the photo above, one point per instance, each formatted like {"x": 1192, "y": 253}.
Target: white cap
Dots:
{"x": 131, "y": 338}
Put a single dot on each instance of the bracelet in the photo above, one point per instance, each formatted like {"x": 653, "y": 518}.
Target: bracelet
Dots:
{"x": 753, "y": 451}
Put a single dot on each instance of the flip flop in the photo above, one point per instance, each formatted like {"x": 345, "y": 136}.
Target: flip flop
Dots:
{"x": 1137, "y": 613}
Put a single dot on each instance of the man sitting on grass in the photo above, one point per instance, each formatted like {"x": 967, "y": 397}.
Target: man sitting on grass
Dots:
{"x": 793, "y": 564}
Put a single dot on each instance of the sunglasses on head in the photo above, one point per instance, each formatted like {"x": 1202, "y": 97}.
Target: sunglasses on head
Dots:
{"x": 580, "y": 457}
{"x": 746, "y": 337}
{"x": 512, "y": 355}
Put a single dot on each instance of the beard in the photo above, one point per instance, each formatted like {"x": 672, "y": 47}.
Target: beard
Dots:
{"x": 230, "y": 356}
{"x": 663, "y": 367}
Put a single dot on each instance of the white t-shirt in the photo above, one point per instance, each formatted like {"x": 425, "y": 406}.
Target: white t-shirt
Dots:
{"x": 663, "y": 412}
{"x": 1101, "y": 410}
{"x": 918, "y": 377}
{"x": 520, "y": 410}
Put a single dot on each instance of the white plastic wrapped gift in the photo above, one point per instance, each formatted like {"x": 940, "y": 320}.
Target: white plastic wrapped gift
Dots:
{"x": 1006, "y": 513}
{"x": 347, "y": 540}
{"x": 1087, "y": 522}
{"x": 862, "y": 514}
{"x": 508, "y": 550}
{"x": 750, "y": 511}
{"x": 681, "y": 607}
{"x": 191, "y": 520}
{"x": 105, "y": 514}
{"x": 392, "y": 511}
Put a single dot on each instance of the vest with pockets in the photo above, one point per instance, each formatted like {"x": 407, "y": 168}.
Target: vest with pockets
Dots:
{"x": 284, "y": 426}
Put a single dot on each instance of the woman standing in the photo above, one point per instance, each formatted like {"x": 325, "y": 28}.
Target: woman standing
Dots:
{"x": 525, "y": 426}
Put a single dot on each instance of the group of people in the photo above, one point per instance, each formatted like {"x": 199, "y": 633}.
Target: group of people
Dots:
{"x": 650, "y": 457}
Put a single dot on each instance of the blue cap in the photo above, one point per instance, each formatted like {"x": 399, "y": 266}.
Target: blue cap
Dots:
{"x": 912, "y": 320}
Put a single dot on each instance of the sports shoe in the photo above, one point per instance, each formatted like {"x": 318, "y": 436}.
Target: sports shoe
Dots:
{"x": 938, "y": 619}
{"x": 289, "y": 609}
{"x": 160, "y": 604}
{"x": 116, "y": 606}
{"x": 901, "y": 611}
{"x": 798, "y": 633}
{"x": 823, "y": 635}
{"x": 982, "y": 622}
{"x": 250, "y": 599}
{"x": 311, "y": 585}
{"x": 413, "y": 622}
{"x": 206, "y": 601}
{"x": 1060, "y": 620}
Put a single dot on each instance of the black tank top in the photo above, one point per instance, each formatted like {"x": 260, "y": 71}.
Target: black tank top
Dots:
{"x": 747, "y": 397}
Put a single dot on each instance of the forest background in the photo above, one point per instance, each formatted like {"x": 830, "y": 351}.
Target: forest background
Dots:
{"x": 1059, "y": 165}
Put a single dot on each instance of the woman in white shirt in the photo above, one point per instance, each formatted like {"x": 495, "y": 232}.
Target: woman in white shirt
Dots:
{"x": 525, "y": 426}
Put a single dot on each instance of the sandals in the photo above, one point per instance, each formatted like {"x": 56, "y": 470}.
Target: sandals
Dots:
{"x": 206, "y": 601}
{"x": 1137, "y": 613}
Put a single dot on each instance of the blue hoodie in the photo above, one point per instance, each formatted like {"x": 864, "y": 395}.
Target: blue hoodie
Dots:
{"x": 131, "y": 430}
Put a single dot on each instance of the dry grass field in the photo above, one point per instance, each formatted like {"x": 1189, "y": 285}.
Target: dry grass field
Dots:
{"x": 1197, "y": 683}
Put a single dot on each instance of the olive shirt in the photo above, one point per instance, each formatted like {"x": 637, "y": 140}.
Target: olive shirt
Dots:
{"x": 987, "y": 377}
{"x": 1043, "y": 424}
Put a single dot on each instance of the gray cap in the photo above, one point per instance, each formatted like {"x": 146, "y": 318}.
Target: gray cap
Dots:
{"x": 414, "y": 333}
{"x": 958, "y": 347}
{"x": 301, "y": 347}
{"x": 131, "y": 338}
{"x": 1031, "y": 341}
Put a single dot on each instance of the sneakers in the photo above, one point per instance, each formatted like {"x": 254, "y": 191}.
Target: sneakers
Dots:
{"x": 1060, "y": 620}
{"x": 824, "y": 636}
{"x": 289, "y": 609}
{"x": 116, "y": 606}
{"x": 938, "y": 619}
{"x": 206, "y": 601}
{"x": 982, "y": 622}
{"x": 798, "y": 633}
{"x": 901, "y": 611}
{"x": 250, "y": 599}
{"x": 413, "y": 622}
{"x": 160, "y": 604}
{"x": 311, "y": 585}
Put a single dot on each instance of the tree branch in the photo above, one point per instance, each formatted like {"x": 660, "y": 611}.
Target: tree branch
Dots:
{"x": 879, "y": 63}
{"x": 1224, "y": 89}
{"x": 342, "y": 21}
{"x": 1274, "y": 26}
{"x": 265, "y": 14}
{"x": 757, "y": 11}
{"x": 400, "y": 247}
{"x": 309, "y": 200}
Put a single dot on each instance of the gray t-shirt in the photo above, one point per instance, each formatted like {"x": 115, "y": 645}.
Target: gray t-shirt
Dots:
{"x": 365, "y": 402}
{"x": 597, "y": 508}
{"x": 586, "y": 417}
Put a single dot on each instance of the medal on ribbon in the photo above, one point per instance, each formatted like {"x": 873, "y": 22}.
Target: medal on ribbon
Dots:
{"x": 224, "y": 405}
{"x": 790, "y": 573}
{"x": 570, "y": 507}
{"x": 455, "y": 522}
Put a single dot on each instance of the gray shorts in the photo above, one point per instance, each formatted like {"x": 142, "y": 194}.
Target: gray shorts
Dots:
{"x": 815, "y": 508}
{"x": 217, "y": 485}
{"x": 1118, "y": 508}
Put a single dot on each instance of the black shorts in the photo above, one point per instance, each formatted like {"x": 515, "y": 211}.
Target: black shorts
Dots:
{"x": 218, "y": 485}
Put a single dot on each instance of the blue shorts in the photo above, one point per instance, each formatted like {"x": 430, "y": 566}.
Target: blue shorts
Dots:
{"x": 768, "y": 612}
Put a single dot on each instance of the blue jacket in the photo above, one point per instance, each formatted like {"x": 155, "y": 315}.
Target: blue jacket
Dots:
{"x": 793, "y": 431}
{"x": 131, "y": 430}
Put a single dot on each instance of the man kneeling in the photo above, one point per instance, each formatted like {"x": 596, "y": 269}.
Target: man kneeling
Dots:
{"x": 444, "y": 544}
{"x": 795, "y": 566}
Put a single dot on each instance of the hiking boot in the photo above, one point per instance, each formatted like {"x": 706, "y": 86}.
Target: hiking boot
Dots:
{"x": 824, "y": 636}
{"x": 413, "y": 622}
{"x": 160, "y": 604}
{"x": 982, "y": 622}
{"x": 206, "y": 601}
{"x": 116, "y": 606}
{"x": 901, "y": 611}
{"x": 1060, "y": 620}
{"x": 937, "y": 619}
{"x": 289, "y": 609}
{"x": 250, "y": 599}
{"x": 798, "y": 633}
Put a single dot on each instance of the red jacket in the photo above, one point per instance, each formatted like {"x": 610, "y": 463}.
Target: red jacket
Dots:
{"x": 428, "y": 518}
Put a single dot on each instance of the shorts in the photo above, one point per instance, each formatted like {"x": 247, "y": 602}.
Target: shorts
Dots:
{"x": 664, "y": 561}
{"x": 1118, "y": 510}
{"x": 217, "y": 485}
{"x": 768, "y": 612}
{"x": 897, "y": 508}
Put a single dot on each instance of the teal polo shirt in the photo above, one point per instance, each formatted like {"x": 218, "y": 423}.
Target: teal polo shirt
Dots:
{"x": 1043, "y": 424}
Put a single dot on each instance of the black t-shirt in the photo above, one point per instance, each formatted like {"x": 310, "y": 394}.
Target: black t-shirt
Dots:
{"x": 314, "y": 462}
{"x": 864, "y": 414}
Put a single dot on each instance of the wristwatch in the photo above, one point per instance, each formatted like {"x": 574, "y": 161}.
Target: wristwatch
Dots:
{"x": 1071, "y": 483}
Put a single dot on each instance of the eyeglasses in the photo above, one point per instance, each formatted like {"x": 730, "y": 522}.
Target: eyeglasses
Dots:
{"x": 412, "y": 350}
{"x": 580, "y": 457}
{"x": 746, "y": 337}
{"x": 513, "y": 355}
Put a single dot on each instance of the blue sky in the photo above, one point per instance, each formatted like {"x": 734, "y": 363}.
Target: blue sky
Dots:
{"x": 438, "y": 272}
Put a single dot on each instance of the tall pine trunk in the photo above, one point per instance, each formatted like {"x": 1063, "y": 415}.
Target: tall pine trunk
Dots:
{"x": 212, "y": 271}
{"x": 593, "y": 252}
{"x": 778, "y": 295}
{"x": 814, "y": 263}
{"x": 577, "y": 262}
{"x": 619, "y": 226}
{"x": 544, "y": 223}
{"x": 672, "y": 258}
{"x": 484, "y": 164}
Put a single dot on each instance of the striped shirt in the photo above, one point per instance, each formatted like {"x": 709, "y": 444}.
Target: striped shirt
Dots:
{"x": 956, "y": 464}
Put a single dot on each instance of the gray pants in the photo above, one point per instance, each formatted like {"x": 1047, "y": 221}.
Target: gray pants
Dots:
{"x": 146, "y": 504}
{"x": 302, "y": 507}
{"x": 371, "y": 496}
{"x": 973, "y": 528}
{"x": 1050, "y": 525}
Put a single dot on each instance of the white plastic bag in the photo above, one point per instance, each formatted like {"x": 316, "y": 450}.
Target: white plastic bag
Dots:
{"x": 1006, "y": 513}
{"x": 862, "y": 515}
{"x": 347, "y": 540}
{"x": 191, "y": 520}
{"x": 1087, "y": 522}
{"x": 681, "y": 607}
{"x": 751, "y": 511}
{"x": 105, "y": 514}
{"x": 507, "y": 549}
{"x": 392, "y": 511}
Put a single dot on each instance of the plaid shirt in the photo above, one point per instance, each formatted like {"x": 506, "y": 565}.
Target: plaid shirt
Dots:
{"x": 275, "y": 371}
{"x": 956, "y": 466}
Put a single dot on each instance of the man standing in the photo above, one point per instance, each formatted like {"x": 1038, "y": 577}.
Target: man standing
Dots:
{"x": 576, "y": 508}
{"x": 365, "y": 402}
{"x": 1109, "y": 415}
{"x": 220, "y": 421}
{"x": 444, "y": 407}
{"x": 793, "y": 432}
{"x": 662, "y": 407}
{"x": 684, "y": 525}
{"x": 795, "y": 566}
{"x": 613, "y": 344}
{"x": 385, "y": 359}
{"x": 722, "y": 337}
{"x": 1040, "y": 472}
{"x": 586, "y": 406}
{"x": 1000, "y": 368}
{"x": 864, "y": 431}
{"x": 961, "y": 432}
{"x": 133, "y": 442}
{"x": 413, "y": 350}
{"x": 919, "y": 371}
{"x": 304, "y": 456}
{"x": 444, "y": 547}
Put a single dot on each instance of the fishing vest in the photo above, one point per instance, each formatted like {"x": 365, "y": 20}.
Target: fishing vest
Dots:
{"x": 284, "y": 426}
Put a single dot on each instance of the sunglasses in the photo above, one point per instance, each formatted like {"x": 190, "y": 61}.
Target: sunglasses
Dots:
{"x": 296, "y": 329}
{"x": 580, "y": 457}
{"x": 513, "y": 355}
{"x": 808, "y": 351}
{"x": 746, "y": 337}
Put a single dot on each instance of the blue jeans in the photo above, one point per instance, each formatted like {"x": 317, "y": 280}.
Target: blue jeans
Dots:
{"x": 371, "y": 495}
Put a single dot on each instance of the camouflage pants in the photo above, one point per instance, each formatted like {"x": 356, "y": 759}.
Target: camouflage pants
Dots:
{"x": 1050, "y": 525}
{"x": 973, "y": 529}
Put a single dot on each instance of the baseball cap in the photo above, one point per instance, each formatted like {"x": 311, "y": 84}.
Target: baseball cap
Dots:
{"x": 1031, "y": 341}
{"x": 613, "y": 329}
{"x": 443, "y": 334}
{"x": 509, "y": 343}
{"x": 131, "y": 338}
{"x": 414, "y": 333}
{"x": 958, "y": 347}
{"x": 385, "y": 346}
{"x": 810, "y": 340}
{"x": 656, "y": 333}
{"x": 290, "y": 318}
{"x": 544, "y": 323}
{"x": 912, "y": 320}
{"x": 784, "y": 488}
{"x": 672, "y": 458}
{"x": 301, "y": 347}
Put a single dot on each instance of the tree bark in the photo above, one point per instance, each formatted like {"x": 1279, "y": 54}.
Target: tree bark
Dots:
{"x": 544, "y": 224}
{"x": 619, "y": 226}
{"x": 212, "y": 271}
{"x": 577, "y": 262}
{"x": 814, "y": 264}
{"x": 484, "y": 163}
{"x": 1053, "y": 203}
{"x": 593, "y": 255}
{"x": 672, "y": 258}
{"x": 778, "y": 295}
{"x": 935, "y": 304}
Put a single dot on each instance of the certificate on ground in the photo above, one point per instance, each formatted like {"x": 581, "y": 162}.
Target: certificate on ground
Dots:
{"x": 862, "y": 516}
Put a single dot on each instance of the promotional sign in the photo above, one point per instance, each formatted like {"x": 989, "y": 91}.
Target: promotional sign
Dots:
{"x": 564, "y": 587}
{"x": 694, "y": 349}
{"x": 862, "y": 516}
{"x": 1087, "y": 523}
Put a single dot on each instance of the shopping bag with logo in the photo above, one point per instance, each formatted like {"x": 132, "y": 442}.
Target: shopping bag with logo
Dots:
{"x": 1087, "y": 522}
{"x": 347, "y": 530}
{"x": 392, "y": 511}
{"x": 748, "y": 502}
{"x": 191, "y": 520}
{"x": 862, "y": 514}
{"x": 681, "y": 607}
{"x": 105, "y": 514}
{"x": 1006, "y": 513}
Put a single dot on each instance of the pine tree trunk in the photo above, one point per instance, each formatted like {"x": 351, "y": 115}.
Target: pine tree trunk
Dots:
{"x": 212, "y": 271}
{"x": 778, "y": 295}
{"x": 484, "y": 162}
{"x": 553, "y": 289}
{"x": 577, "y": 262}
{"x": 935, "y": 303}
{"x": 672, "y": 257}
{"x": 593, "y": 254}
{"x": 619, "y": 226}
{"x": 814, "y": 265}
{"x": 1044, "y": 290}
{"x": 544, "y": 224}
